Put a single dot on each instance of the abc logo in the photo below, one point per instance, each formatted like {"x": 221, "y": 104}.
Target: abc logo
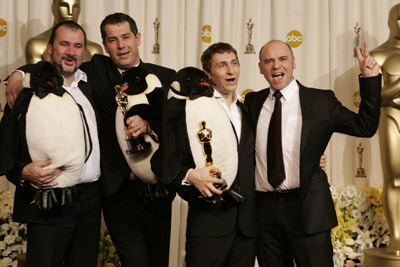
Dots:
{"x": 206, "y": 33}
{"x": 244, "y": 93}
{"x": 357, "y": 99}
{"x": 3, "y": 27}
{"x": 294, "y": 38}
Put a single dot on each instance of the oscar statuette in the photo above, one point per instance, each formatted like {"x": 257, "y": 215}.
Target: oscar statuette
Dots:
{"x": 135, "y": 144}
{"x": 156, "y": 45}
{"x": 205, "y": 136}
{"x": 249, "y": 46}
{"x": 389, "y": 137}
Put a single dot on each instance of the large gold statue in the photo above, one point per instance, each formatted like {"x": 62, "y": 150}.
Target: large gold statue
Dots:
{"x": 388, "y": 57}
{"x": 35, "y": 49}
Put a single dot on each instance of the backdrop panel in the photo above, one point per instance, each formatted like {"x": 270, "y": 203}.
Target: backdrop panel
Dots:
{"x": 322, "y": 33}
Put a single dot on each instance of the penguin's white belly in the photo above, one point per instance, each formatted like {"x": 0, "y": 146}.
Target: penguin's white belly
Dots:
{"x": 223, "y": 142}
{"x": 139, "y": 162}
{"x": 55, "y": 130}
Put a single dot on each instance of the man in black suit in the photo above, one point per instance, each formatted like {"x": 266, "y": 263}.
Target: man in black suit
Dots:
{"x": 296, "y": 213}
{"x": 61, "y": 236}
{"x": 222, "y": 233}
{"x": 139, "y": 228}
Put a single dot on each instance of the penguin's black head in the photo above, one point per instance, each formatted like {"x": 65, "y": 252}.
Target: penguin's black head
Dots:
{"x": 45, "y": 79}
{"x": 192, "y": 82}
{"x": 135, "y": 79}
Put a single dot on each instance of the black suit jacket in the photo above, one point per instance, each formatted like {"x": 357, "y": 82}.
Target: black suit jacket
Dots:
{"x": 104, "y": 75}
{"x": 23, "y": 210}
{"x": 214, "y": 220}
{"x": 322, "y": 115}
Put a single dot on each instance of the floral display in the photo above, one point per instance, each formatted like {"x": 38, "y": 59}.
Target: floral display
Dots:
{"x": 12, "y": 234}
{"x": 361, "y": 224}
{"x": 108, "y": 252}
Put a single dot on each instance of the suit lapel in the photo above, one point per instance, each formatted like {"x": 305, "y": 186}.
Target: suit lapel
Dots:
{"x": 87, "y": 91}
{"x": 305, "y": 103}
{"x": 246, "y": 126}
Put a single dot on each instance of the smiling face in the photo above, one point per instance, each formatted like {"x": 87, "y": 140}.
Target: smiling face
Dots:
{"x": 277, "y": 64}
{"x": 122, "y": 45}
{"x": 68, "y": 50}
{"x": 224, "y": 73}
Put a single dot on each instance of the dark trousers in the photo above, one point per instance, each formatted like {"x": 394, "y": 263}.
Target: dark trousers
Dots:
{"x": 140, "y": 230}
{"x": 281, "y": 236}
{"x": 73, "y": 239}
{"x": 233, "y": 250}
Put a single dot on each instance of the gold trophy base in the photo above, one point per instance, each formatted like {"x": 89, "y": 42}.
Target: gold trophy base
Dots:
{"x": 381, "y": 257}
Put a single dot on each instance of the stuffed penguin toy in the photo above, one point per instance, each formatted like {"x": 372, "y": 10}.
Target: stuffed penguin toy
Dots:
{"x": 49, "y": 124}
{"x": 189, "y": 102}
{"x": 143, "y": 96}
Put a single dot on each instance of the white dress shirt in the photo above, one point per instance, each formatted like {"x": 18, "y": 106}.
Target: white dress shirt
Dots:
{"x": 291, "y": 136}
{"x": 233, "y": 112}
{"x": 91, "y": 169}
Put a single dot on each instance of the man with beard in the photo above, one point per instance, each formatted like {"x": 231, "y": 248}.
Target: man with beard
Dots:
{"x": 62, "y": 236}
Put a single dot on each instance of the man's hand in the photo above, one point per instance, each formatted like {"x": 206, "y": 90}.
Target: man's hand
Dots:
{"x": 14, "y": 86}
{"x": 36, "y": 174}
{"x": 204, "y": 182}
{"x": 368, "y": 65}
{"x": 137, "y": 126}
{"x": 322, "y": 162}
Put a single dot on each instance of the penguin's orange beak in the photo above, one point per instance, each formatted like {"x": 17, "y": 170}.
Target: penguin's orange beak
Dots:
{"x": 205, "y": 84}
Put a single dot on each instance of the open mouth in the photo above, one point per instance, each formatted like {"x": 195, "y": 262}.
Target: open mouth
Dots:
{"x": 123, "y": 55}
{"x": 231, "y": 80}
{"x": 69, "y": 60}
{"x": 277, "y": 77}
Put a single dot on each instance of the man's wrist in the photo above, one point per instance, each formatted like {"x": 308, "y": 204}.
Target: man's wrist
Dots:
{"x": 185, "y": 180}
{"x": 20, "y": 71}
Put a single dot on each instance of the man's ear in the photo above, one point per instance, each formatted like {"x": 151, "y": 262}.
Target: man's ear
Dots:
{"x": 49, "y": 48}
{"x": 138, "y": 38}
{"x": 294, "y": 63}
{"x": 259, "y": 68}
{"x": 105, "y": 47}
{"x": 208, "y": 74}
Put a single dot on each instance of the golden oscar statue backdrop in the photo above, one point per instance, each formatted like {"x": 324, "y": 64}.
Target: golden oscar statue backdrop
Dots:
{"x": 35, "y": 49}
{"x": 388, "y": 57}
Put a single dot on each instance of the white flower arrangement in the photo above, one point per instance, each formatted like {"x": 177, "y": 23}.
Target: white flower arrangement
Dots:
{"x": 362, "y": 224}
{"x": 12, "y": 234}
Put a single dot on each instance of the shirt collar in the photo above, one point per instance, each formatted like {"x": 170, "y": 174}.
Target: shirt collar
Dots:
{"x": 288, "y": 92}
{"x": 79, "y": 75}
{"x": 218, "y": 96}
{"x": 137, "y": 65}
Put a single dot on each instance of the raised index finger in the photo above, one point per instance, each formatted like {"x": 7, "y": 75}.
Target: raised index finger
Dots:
{"x": 359, "y": 55}
{"x": 366, "y": 52}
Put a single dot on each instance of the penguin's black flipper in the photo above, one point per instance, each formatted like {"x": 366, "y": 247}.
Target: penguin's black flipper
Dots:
{"x": 12, "y": 132}
{"x": 8, "y": 141}
{"x": 174, "y": 136}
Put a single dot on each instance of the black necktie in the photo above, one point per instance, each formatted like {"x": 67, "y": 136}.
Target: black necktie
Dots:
{"x": 275, "y": 165}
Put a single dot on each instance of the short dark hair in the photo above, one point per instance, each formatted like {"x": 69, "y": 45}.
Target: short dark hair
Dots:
{"x": 69, "y": 24}
{"x": 116, "y": 18}
{"x": 220, "y": 48}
